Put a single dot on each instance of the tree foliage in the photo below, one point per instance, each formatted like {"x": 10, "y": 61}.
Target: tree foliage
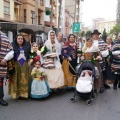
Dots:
{"x": 104, "y": 35}
{"x": 88, "y": 33}
{"x": 115, "y": 30}
{"x": 83, "y": 33}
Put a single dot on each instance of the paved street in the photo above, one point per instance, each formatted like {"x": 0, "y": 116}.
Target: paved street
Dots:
{"x": 105, "y": 107}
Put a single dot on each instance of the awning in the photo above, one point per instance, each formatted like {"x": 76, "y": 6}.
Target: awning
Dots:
{"x": 19, "y": 26}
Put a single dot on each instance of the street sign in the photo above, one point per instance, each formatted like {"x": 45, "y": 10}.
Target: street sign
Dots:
{"x": 76, "y": 27}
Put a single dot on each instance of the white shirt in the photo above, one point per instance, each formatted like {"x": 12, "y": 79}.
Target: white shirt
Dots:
{"x": 95, "y": 43}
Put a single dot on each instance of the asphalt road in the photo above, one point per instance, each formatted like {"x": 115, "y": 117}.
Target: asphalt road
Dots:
{"x": 106, "y": 106}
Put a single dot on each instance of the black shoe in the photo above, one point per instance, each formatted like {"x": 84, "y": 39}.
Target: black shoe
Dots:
{"x": 3, "y": 103}
{"x": 106, "y": 86}
{"x": 115, "y": 87}
{"x": 19, "y": 98}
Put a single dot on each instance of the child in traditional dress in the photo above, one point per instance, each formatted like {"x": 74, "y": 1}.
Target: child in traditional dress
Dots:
{"x": 35, "y": 54}
{"x": 39, "y": 87}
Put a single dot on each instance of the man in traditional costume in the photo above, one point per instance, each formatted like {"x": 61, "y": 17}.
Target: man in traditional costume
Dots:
{"x": 103, "y": 50}
{"x": 116, "y": 61}
{"x": 5, "y": 47}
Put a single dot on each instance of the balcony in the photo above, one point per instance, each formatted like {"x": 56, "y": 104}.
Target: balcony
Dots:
{"x": 7, "y": 17}
{"x": 7, "y": 1}
{"x": 67, "y": 24}
{"x": 54, "y": 15}
{"x": 48, "y": 8}
{"x": 47, "y": 23}
{"x": 18, "y": 2}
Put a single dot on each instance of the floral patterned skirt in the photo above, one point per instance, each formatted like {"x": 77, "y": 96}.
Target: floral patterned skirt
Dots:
{"x": 19, "y": 85}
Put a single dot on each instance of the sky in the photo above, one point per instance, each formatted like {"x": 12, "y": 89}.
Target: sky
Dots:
{"x": 92, "y": 9}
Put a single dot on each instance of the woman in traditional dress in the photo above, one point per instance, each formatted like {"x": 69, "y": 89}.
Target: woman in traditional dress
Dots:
{"x": 109, "y": 76}
{"x": 93, "y": 51}
{"x": 19, "y": 86}
{"x": 55, "y": 76}
{"x": 69, "y": 51}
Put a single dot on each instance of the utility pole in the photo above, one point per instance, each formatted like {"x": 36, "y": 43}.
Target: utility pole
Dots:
{"x": 51, "y": 15}
{"x": 59, "y": 19}
{"x": 75, "y": 12}
{"x": 78, "y": 11}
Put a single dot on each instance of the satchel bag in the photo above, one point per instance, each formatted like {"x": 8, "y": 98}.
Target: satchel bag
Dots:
{"x": 10, "y": 65}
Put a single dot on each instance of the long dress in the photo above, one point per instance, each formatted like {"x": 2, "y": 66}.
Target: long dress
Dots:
{"x": 19, "y": 85}
{"x": 108, "y": 74}
{"x": 69, "y": 66}
{"x": 55, "y": 76}
{"x": 39, "y": 87}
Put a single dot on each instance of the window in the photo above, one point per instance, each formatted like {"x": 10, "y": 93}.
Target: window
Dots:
{"x": 24, "y": 15}
{"x": 38, "y": 20}
{"x": 6, "y": 10}
{"x": 6, "y": 7}
{"x": 32, "y": 17}
{"x": 41, "y": 2}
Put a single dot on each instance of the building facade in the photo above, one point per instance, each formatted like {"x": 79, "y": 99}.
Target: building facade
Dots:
{"x": 23, "y": 16}
{"x": 51, "y": 20}
{"x": 118, "y": 12}
{"x": 107, "y": 25}
{"x": 72, "y": 14}
{"x": 69, "y": 20}
{"x": 101, "y": 24}
{"x": 96, "y": 22}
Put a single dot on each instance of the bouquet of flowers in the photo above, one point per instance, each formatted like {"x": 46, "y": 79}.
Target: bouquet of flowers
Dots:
{"x": 93, "y": 60}
{"x": 42, "y": 75}
{"x": 44, "y": 50}
{"x": 79, "y": 51}
{"x": 32, "y": 54}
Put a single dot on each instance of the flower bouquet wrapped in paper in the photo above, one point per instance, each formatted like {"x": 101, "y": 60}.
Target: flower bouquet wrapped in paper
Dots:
{"x": 44, "y": 50}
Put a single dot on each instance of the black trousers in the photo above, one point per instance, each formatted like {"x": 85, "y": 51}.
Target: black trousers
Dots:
{"x": 1, "y": 88}
{"x": 117, "y": 79}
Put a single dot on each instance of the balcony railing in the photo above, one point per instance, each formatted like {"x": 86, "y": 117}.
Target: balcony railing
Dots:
{"x": 67, "y": 23}
{"x": 47, "y": 23}
{"x": 6, "y": 16}
{"x": 54, "y": 15}
{"x": 18, "y": 2}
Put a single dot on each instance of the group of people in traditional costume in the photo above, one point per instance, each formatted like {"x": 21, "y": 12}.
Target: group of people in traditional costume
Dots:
{"x": 38, "y": 73}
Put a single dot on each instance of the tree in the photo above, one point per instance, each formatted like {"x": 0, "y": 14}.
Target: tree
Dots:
{"x": 115, "y": 30}
{"x": 88, "y": 33}
{"x": 104, "y": 35}
{"x": 81, "y": 34}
